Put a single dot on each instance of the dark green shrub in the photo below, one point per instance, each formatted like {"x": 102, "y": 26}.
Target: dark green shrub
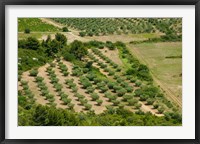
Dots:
{"x": 27, "y": 31}
{"x": 150, "y": 101}
{"x": 103, "y": 89}
{"x": 161, "y": 110}
{"x": 99, "y": 102}
{"x": 121, "y": 92}
{"x": 33, "y": 72}
{"x": 52, "y": 64}
{"x": 121, "y": 106}
{"x": 65, "y": 73}
{"x": 49, "y": 96}
{"x": 87, "y": 106}
{"x": 82, "y": 34}
{"x": 132, "y": 102}
{"x": 138, "y": 83}
{"x": 137, "y": 105}
{"x": 90, "y": 89}
{"x": 44, "y": 92}
{"x": 70, "y": 106}
{"x": 66, "y": 100}
{"x": 155, "y": 105}
{"x": 68, "y": 56}
{"x": 111, "y": 97}
{"x": 143, "y": 97}
{"x": 65, "y": 29}
{"x": 115, "y": 102}
{"x": 19, "y": 77}
{"x": 94, "y": 96}
{"x": 39, "y": 79}
{"x": 127, "y": 97}
{"x": 83, "y": 101}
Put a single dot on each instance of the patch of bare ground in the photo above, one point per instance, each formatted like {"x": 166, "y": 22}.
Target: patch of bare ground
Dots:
{"x": 113, "y": 55}
{"x": 71, "y": 37}
{"x": 114, "y": 38}
{"x": 44, "y": 37}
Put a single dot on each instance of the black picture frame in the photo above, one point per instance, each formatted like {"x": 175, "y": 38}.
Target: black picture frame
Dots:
{"x": 4, "y": 3}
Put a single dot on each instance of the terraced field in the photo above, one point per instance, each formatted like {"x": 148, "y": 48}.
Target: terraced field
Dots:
{"x": 125, "y": 69}
{"x": 65, "y": 85}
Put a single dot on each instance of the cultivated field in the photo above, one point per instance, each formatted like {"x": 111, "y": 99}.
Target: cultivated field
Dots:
{"x": 93, "y": 71}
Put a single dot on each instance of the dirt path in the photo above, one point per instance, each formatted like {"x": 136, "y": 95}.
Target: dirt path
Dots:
{"x": 71, "y": 36}
{"x": 168, "y": 92}
{"x": 49, "y": 21}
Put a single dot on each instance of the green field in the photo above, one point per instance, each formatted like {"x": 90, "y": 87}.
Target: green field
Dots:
{"x": 166, "y": 70}
{"x": 35, "y": 24}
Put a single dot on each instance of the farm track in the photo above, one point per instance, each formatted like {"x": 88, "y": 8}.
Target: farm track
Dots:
{"x": 168, "y": 92}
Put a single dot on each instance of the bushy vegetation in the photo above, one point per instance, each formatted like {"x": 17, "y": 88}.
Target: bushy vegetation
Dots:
{"x": 138, "y": 70}
{"x": 38, "y": 115}
{"x": 28, "y": 59}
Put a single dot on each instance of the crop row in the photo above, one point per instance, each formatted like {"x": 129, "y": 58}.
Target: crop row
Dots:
{"x": 104, "y": 26}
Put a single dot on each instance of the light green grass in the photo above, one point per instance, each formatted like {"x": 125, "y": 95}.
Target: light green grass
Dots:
{"x": 35, "y": 24}
{"x": 146, "y": 35}
{"x": 167, "y": 70}
{"x": 39, "y": 35}
{"x": 24, "y": 36}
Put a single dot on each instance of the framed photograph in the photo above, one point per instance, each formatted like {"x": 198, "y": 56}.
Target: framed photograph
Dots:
{"x": 99, "y": 72}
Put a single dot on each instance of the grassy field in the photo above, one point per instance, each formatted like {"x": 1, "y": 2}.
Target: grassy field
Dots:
{"x": 167, "y": 70}
{"x": 35, "y": 24}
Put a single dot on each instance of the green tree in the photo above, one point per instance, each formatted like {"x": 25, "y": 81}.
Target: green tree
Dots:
{"x": 53, "y": 48}
{"x": 78, "y": 49}
{"x": 32, "y": 43}
{"x": 82, "y": 34}
{"x": 65, "y": 29}
{"x": 62, "y": 39}
{"x": 27, "y": 31}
